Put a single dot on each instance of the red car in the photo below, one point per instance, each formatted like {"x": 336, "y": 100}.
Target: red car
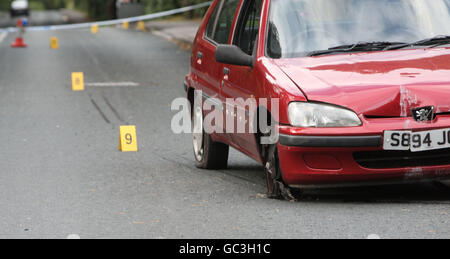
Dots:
{"x": 362, "y": 86}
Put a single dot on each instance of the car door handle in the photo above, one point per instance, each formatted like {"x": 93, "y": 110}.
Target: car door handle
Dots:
{"x": 199, "y": 58}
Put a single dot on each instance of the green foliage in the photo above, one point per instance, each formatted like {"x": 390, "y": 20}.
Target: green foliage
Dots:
{"x": 49, "y": 4}
{"x": 5, "y": 4}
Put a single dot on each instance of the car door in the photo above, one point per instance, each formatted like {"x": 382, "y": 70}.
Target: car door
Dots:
{"x": 218, "y": 31}
{"x": 241, "y": 84}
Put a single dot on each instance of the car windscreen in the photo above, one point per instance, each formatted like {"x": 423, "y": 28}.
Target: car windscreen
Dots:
{"x": 299, "y": 27}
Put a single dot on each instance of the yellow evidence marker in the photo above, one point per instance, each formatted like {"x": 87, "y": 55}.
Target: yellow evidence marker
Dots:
{"x": 128, "y": 140}
{"x": 54, "y": 43}
{"x": 78, "y": 81}
{"x": 126, "y": 25}
{"x": 94, "y": 28}
{"x": 141, "y": 25}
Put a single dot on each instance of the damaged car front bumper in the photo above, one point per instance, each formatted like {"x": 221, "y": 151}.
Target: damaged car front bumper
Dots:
{"x": 332, "y": 157}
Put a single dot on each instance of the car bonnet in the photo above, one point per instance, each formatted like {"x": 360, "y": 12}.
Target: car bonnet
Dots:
{"x": 384, "y": 83}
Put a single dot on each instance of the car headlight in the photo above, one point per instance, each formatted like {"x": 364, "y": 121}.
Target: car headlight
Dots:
{"x": 321, "y": 116}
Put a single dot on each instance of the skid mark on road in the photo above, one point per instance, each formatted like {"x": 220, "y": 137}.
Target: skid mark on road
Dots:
{"x": 100, "y": 111}
{"x": 116, "y": 113}
{"x": 103, "y": 112}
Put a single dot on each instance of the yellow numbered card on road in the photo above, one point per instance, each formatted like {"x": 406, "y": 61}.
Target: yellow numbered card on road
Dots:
{"x": 78, "y": 81}
{"x": 128, "y": 139}
{"x": 94, "y": 29}
{"x": 54, "y": 44}
{"x": 126, "y": 25}
{"x": 141, "y": 25}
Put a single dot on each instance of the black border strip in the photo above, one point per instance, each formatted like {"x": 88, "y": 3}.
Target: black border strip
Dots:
{"x": 330, "y": 141}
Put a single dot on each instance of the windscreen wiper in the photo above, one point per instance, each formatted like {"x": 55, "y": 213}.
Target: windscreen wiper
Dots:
{"x": 432, "y": 42}
{"x": 361, "y": 46}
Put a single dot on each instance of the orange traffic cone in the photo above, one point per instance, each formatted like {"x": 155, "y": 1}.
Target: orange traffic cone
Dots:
{"x": 19, "y": 43}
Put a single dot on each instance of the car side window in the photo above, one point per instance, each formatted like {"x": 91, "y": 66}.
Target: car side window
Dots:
{"x": 248, "y": 26}
{"x": 219, "y": 30}
{"x": 212, "y": 21}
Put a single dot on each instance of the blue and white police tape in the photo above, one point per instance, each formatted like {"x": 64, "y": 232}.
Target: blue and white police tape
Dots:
{"x": 24, "y": 22}
{"x": 112, "y": 22}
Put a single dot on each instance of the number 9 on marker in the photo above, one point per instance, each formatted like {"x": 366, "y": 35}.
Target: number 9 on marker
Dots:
{"x": 128, "y": 141}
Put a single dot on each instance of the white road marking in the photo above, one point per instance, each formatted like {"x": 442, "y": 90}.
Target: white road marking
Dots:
{"x": 373, "y": 236}
{"x": 162, "y": 35}
{"x": 3, "y": 36}
{"x": 73, "y": 236}
{"x": 113, "y": 84}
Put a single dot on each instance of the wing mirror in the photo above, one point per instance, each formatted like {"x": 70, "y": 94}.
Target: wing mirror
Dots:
{"x": 233, "y": 55}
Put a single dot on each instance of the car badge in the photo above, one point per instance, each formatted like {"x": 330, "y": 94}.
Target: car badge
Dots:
{"x": 423, "y": 114}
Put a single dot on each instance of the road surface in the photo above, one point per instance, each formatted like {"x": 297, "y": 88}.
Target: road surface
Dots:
{"x": 61, "y": 173}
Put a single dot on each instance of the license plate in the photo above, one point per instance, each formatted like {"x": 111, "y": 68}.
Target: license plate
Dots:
{"x": 416, "y": 141}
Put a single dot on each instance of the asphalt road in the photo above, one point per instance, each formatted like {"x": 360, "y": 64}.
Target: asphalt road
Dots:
{"x": 61, "y": 172}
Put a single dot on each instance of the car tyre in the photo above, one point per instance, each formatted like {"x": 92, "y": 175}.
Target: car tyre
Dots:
{"x": 276, "y": 188}
{"x": 208, "y": 153}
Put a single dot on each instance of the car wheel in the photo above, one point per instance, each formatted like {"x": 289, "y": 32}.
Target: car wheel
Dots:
{"x": 208, "y": 154}
{"x": 276, "y": 188}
